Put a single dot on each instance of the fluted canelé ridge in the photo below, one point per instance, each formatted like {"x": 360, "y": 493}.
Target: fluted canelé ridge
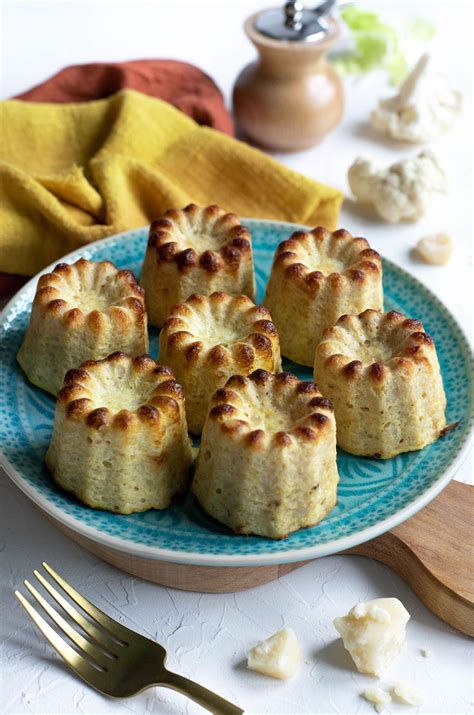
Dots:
{"x": 271, "y": 410}
{"x": 208, "y": 338}
{"x": 382, "y": 373}
{"x": 81, "y": 311}
{"x": 316, "y": 277}
{"x": 120, "y": 438}
{"x": 122, "y": 392}
{"x": 267, "y": 460}
{"x": 195, "y": 250}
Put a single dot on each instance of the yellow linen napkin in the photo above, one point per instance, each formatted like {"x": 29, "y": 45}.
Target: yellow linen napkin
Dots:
{"x": 74, "y": 173}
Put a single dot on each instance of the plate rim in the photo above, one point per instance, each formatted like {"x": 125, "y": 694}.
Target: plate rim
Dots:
{"x": 156, "y": 553}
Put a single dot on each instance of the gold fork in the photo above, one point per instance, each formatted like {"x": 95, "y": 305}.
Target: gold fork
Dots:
{"x": 116, "y": 661}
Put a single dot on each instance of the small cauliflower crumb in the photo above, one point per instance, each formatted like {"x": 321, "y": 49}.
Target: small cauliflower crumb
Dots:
{"x": 435, "y": 250}
{"x": 403, "y": 191}
{"x": 378, "y": 697}
{"x": 404, "y": 693}
{"x": 278, "y": 656}
{"x": 425, "y": 107}
{"x": 425, "y": 652}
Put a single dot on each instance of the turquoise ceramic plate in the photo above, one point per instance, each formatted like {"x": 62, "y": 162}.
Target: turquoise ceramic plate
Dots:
{"x": 374, "y": 496}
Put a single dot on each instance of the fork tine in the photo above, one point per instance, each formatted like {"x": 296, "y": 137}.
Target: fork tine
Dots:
{"x": 76, "y": 662}
{"x": 96, "y": 633}
{"x": 96, "y": 655}
{"x": 113, "y": 627}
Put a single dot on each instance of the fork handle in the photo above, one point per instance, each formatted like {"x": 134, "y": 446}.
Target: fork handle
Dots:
{"x": 204, "y": 697}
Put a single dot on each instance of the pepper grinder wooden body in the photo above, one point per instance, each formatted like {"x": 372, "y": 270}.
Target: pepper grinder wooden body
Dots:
{"x": 290, "y": 98}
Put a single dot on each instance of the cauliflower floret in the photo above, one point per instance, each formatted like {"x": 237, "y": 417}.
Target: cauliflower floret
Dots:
{"x": 402, "y": 192}
{"x": 425, "y": 107}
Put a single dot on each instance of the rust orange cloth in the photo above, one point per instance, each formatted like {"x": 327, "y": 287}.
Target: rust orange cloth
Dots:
{"x": 184, "y": 86}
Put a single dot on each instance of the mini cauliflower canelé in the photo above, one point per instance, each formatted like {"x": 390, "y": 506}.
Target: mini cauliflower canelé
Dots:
{"x": 381, "y": 372}
{"x": 120, "y": 440}
{"x": 267, "y": 460}
{"x": 403, "y": 191}
{"x": 209, "y": 338}
{"x": 195, "y": 250}
{"x": 83, "y": 311}
{"x": 317, "y": 276}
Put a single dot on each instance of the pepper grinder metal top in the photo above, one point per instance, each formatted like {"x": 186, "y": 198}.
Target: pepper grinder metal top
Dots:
{"x": 294, "y": 23}
{"x": 290, "y": 98}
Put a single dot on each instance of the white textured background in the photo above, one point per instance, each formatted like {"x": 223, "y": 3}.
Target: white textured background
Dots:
{"x": 208, "y": 636}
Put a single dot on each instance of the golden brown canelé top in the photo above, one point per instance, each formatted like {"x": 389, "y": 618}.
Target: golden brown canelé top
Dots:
{"x": 266, "y": 410}
{"x": 309, "y": 258}
{"x": 91, "y": 292}
{"x": 374, "y": 343}
{"x": 207, "y": 237}
{"x": 221, "y": 330}
{"x": 121, "y": 392}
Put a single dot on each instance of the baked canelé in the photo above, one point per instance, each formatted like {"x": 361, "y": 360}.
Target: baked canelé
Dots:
{"x": 209, "y": 338}
{"x": 316, "y": 277}
{"x": 381, "y": 372}
{"x": 195, "y": 250}
{"x": 120, "y": 440}
{"x": 83, "y": 311}
{"x": 267, "y": 460}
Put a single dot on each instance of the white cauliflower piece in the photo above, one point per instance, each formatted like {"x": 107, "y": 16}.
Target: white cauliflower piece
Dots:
{"x": 404, "y": 191}
{"x": 425, "y": 107}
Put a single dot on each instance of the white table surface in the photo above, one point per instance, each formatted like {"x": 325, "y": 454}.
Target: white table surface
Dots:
{"x": 208, "y": 636}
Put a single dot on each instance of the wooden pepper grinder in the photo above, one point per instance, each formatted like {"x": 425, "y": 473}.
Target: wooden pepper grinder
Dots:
{"x": 290, "y": 98}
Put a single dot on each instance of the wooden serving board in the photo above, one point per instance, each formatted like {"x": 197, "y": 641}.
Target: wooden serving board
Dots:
{"x": 433, "y": 552}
